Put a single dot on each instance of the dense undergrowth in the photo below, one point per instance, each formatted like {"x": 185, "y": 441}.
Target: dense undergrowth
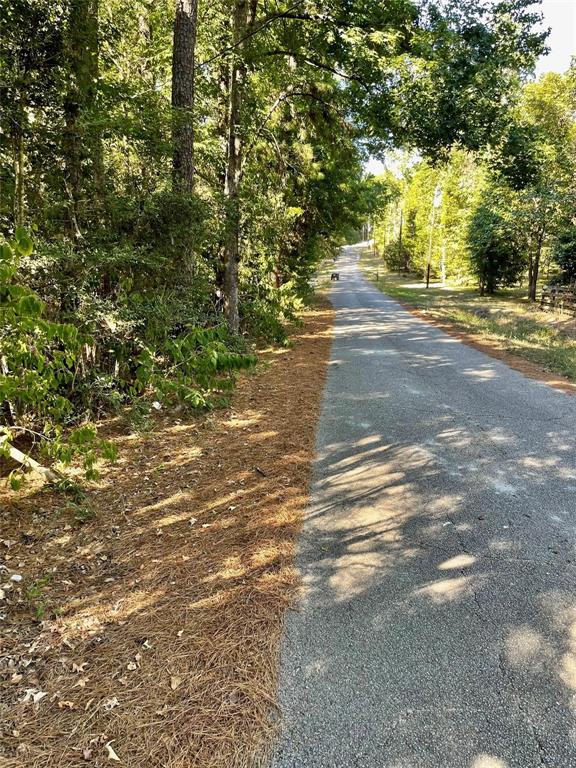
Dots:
{"x": 72, "y": 354}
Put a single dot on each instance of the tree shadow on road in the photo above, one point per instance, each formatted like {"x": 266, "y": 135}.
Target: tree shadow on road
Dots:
{"x": 438, "y": 619}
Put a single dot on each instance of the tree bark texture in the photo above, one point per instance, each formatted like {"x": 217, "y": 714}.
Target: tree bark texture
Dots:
{"x": 243, "y": 16}
{"x": 183, "y": 72}
{"x": 82, "y": 144}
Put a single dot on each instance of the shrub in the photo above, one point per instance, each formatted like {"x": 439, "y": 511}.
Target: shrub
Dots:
{"x": 38, "y": 367}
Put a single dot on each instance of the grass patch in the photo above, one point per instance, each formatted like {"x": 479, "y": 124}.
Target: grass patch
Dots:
{"x": 506, "y": 319}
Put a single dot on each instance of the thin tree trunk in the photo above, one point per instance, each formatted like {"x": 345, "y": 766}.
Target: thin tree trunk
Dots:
{"x": 400, "y": 241}
{"x": 183, "y": 70}
{"x": 535, "y": 266}
{"x": 19, "y": 177}
{"x": 234, "y": 165}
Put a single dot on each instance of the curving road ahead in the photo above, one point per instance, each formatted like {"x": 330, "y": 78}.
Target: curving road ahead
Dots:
{"x": 438, "y": 625}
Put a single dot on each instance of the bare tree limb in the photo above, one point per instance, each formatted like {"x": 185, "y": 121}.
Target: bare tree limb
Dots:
{"x": 29, "y": 463}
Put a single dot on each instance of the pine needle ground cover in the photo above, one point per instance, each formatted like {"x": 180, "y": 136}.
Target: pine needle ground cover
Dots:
{"x": 141, "y": 625}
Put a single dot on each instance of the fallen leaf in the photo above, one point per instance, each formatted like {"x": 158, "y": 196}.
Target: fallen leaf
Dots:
{"x": 86, "y": 754}
{"x": 131, "y": 666}
{"x": 81, "y": 683}
{"x": 175, "y": 682}
{"x": 31, "y": 694}
{"x": 66, "y": 705}
{"x": 111, "y": 754}
{"x": 110, "y": 704}
{"x": 79, "y": 667}
{"x": 180, "y": 633}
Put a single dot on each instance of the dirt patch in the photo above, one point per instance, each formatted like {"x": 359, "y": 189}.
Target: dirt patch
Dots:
{"x": 147, "y": 621}
{"x": 495, "y": 349}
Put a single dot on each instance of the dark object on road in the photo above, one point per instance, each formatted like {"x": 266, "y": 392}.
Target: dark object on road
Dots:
{"x": 335, "y": 276}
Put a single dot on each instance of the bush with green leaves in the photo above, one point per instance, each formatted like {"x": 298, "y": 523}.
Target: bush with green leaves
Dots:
{"x": 268, "y": 310}
{"x": 397, "y": 257}
{"x": 496, "y": 257}
{"x": 196, "y": 369}
{"x": 143, "y": 347}
{"x": 565, "y": 253}
{"x": 39, "y": 363}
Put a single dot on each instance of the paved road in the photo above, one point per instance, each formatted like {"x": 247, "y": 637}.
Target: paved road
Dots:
{"x": 438, "y": 626}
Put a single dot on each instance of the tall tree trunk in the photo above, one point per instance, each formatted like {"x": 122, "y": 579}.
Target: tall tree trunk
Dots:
{"x": 234, "y": 164}
{"x": 183, "y": 66}
{"x": 535, "y": 266}
{"x": 82, "y": 145}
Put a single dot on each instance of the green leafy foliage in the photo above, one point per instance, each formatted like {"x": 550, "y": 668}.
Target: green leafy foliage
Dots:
{"x": 39, "y": 364}
{"x": 196, "y": 369}
{"x": 44, "y": 370}
{"x": 505, "y": 211}
{"x": 565, "y": 253}
{"x": 496, "y": 259}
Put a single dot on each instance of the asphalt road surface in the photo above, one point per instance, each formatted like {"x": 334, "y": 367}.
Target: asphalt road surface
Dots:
{"x": 438, "y": 624}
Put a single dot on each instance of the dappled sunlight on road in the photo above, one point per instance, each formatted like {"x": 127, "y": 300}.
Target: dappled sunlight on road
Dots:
{"x": 439, "y": 556}
{"x": 488, "y": 761}
{"x": 457, "y": 562}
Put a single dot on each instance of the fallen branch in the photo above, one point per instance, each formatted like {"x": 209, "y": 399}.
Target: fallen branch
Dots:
{"x": 28, "y": 462}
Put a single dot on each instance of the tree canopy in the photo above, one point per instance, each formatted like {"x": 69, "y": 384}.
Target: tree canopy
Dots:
{"x": 506, "y": 207}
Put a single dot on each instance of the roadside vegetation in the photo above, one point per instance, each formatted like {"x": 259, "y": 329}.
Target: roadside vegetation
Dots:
{"x": 490, "y": 228}
{"x": 504, "y": 320}
{"x": 497, "y": 217}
